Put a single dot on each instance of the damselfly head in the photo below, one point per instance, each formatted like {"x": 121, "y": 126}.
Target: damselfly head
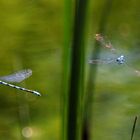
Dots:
{"x": 120, "y": 59}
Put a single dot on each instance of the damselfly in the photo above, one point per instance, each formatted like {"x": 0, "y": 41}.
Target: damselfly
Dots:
{"x": 119, "y": 59}
{"x": 18, "y": 77}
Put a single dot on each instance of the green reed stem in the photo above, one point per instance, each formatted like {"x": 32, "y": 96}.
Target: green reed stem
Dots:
{"x": 75, "y": 89}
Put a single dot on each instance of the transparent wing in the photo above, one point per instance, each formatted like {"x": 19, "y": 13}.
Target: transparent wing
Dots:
{"x": 104, "y": 43}
{"x": 98, "y": 61}
{"x": 18, "y": 76}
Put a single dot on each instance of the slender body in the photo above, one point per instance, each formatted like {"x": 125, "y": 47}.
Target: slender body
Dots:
{"x": 18, "y": 77}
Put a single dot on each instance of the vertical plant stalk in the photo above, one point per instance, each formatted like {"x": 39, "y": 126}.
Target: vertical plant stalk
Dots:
{"x": 133, "y": 128}
{"x": 76, "y": 77}
{"x": 66, "y": 62}
{"x": 92, "y": 71}
{"x": 77, "y": 74}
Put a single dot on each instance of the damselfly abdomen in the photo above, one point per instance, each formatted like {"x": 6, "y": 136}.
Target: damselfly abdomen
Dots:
{"x": 18, "y": 77}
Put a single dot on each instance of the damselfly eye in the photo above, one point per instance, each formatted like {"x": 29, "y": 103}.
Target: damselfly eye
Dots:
{"x": 120, "y": 60}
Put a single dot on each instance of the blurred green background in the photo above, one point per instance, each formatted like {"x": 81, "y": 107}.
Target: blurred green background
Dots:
{"x": 32, "y": 36}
